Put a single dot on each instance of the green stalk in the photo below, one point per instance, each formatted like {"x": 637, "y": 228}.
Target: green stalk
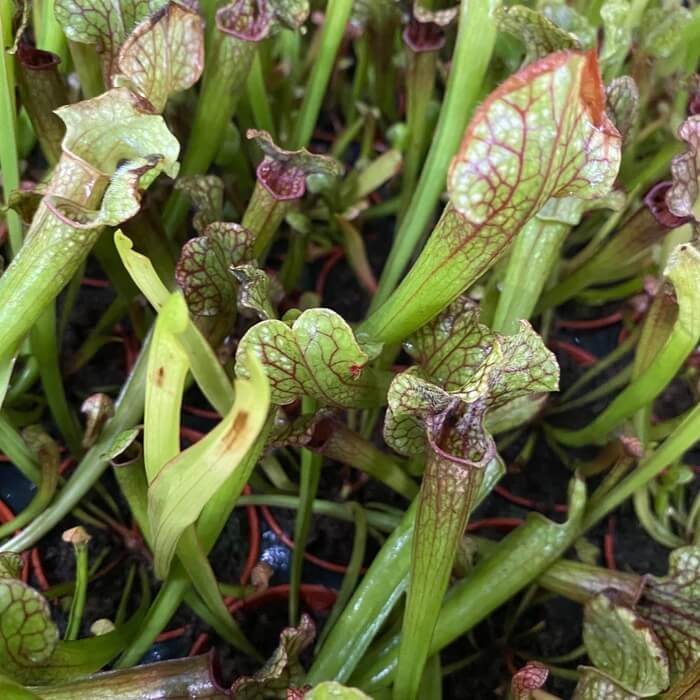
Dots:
{"x": 517, "y": 560}
{"x": 617, "y": 381}
{"x": 79, "y": 539}
{"x": 376, "y": 596}
{"x": 472, "y": 53}
{"x": 223, "y": 82}
{"x": 610, "y": 359}
{"x": 12, "y": 445}
{"x": 45, "y": 349}
{"x": 42, "y": 498}
{"x": 8, "y": 122}
{"x": 336, "y": 18}
{"x": 683, "y": 270}
{"x": 532, "y": 259}
{"x": 51, "y": 37}
{"x": 310, "y": 475}
{"x": 384, "y": 522}
{"x": 673, "y": 448}
{"x": 420, "y": 84}
{"x": 263, "y": 217}
{"x": 353, "y": 570}
{"x": 128, "y": 411}
{"x": 445, "y": 502}
{"x": 88, "y": 67}
{"x": 347, "y": 446}
{"x": 258, "y": 99}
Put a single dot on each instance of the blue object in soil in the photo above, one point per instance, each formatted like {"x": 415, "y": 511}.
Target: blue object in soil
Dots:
{"x": 15, "y": 489}
{"x": 170, "y": 649}
{"x": 277, "y": 555}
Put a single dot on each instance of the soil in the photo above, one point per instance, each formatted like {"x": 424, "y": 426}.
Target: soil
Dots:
{"x": 543, "y": 479}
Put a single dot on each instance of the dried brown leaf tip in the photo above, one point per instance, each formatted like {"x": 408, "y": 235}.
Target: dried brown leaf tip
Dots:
{"x": 283, "y": 173}
{"x": 98, "y": 409}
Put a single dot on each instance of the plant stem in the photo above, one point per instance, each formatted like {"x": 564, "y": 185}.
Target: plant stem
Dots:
{"x": 12, "y": 445}
{"x": 223, "y": 82}
{"x": 532, "y": 259}
{"x": 169, "y": 680}
{"x": 379, "y": 521}
{"x": 45, "y": 349}
{"x": 353, "y": 571}
{"x": 87, "y": 66}
{"x": 128, "y": 411}
{"x": 336, "y": 18}
{"x": 475, "y": 40}
{"x": 310, "y": 475}
{"x": 262, "y": 217}
{"x": 258, "y": 99}
{"x": 420, "y": 84}
{"x": 673, "y": 448}
{"x": 381, "y": 587}
{"x": 42, "y": 498}
{"x": 445, "y": 502}
{"x": 516, "y": 561}
{"x": 347, "y": 446}
{"x": 77, "y": 607}
{"x": 8, "y": 130}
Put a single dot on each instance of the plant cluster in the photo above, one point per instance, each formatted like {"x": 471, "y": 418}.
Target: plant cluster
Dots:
{"x": 361, "y": 236}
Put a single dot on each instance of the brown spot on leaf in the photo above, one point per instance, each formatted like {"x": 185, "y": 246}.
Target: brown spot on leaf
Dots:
{"x": 160, "y": 376}
{"x": 236, "y": 429}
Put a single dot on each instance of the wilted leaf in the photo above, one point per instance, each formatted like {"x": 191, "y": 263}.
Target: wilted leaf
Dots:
{"x": 317, "y": 356}
{"x": 622, "y": 104}
{"x": 207, "y": 195}
{"x": 593, "y": 685}
{"x": 104, "y": 23}
{"x": 623, "y": 646}
{"x": 531, "y": 677}
{"x": 539, "y": 35}
{"x": 180, "y": 488}
{"x": 98, "y": 409}
{"x": 283, "y": 670}
{"x": 283, "y": 173}
{"x": 203, "y": 271}
{"x": 163, "y": 55}
{"x": 662, "y": 28}
{"x": 255, "y": 291}
{"x": 682, "y": 198}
